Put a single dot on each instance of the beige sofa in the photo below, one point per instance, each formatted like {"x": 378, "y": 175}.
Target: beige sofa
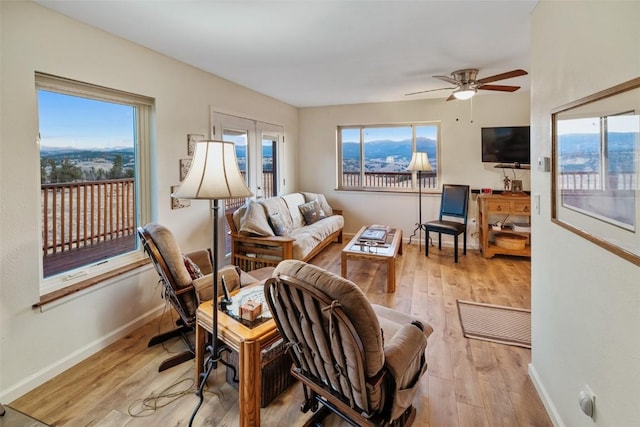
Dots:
{"x": 293, "y": 226}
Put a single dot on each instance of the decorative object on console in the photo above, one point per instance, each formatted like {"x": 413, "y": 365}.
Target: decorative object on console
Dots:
{"x": 516, "y": 185}
{"x": 214, "y": 175}
{"x": 419, "y": 163}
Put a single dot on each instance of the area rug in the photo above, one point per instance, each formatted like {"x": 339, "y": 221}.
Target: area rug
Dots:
{"x": 495, "y": 323}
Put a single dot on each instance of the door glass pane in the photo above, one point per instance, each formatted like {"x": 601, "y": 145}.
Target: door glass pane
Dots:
{"x": 387, "y": 153}
{"x": 427, "y": 142}
{"x": 350, "y": 140}
{"x": 269, "y": 166}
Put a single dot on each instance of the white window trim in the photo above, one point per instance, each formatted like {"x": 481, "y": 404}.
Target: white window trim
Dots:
{"x": 144, "y": 120}
{"x": 414, "y": 179}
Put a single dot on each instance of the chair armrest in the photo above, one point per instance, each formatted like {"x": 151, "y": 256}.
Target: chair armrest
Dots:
{"x": 405, "y": 355}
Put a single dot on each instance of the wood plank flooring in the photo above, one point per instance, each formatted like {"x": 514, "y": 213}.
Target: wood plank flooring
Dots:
{"x": 468, "y": 382}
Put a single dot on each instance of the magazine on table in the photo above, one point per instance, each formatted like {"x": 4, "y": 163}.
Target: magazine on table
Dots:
{"x": 375, "y": 233}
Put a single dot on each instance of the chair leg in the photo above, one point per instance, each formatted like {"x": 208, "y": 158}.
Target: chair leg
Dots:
{"x": 464, "y": 250}
{"x": 455, "y": 248}
{"x": 426, "y": 243}
{"x": 439, "y": 241}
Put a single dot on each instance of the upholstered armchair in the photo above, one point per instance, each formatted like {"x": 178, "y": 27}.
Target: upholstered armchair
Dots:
{"x": 360, "y": 360}
{"x": 186, "y": 282}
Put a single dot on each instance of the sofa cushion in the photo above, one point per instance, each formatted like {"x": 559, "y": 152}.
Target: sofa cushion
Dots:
{"x": 310, "y": 236}
{"x": 294, "y": 200}
{"x": 192, "y": 267}
{"x": 276, "y": 206}
{"x": 312, "y": 212}
{"x": 278, "y": 225}
{"x": 251, "y": 219}
{"x": 321, "y": 199}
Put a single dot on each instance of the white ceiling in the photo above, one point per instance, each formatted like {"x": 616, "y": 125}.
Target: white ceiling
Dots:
{"x": 313, "y": 53}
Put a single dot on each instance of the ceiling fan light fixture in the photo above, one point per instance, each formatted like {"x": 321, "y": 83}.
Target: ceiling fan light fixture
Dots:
{"x": 465, "y": 92}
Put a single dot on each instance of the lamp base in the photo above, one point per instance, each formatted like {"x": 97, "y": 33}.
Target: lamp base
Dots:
{"x": 211, "y": 363}
{"x": 419, "y": 227}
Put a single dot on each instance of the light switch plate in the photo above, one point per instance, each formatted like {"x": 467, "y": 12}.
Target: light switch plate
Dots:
{"x": 544, "y": 164}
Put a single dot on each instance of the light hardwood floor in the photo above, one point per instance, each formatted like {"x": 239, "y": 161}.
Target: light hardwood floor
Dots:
{"x": 468, "y": 382}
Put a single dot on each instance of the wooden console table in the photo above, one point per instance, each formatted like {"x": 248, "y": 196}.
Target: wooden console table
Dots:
{"x": 497, "y": 207}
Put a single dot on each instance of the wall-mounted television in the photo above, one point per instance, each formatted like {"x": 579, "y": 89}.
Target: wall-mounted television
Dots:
{"x": 508, "y": 144}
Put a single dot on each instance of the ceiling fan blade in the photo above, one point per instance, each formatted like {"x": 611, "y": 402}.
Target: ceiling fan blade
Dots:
{"x": 451, "y": 97}
{"x": 430, "y": 90}
{"x": 448, "y": 80}
{"x": 503, "y": 76}
{"x": 501, "y": 88}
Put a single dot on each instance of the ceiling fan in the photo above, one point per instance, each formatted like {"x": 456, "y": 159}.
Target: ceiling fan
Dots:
{"x": 466, "y": 84}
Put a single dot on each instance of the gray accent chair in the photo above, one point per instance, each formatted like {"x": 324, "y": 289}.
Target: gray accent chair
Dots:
{"x": 359, "y": 360}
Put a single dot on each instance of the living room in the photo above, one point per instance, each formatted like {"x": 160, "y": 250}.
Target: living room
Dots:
{"x": 578, "y": 339}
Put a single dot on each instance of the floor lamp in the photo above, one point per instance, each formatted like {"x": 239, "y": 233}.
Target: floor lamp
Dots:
{"x": 419, "y": 163}
{"x": 213, "y": 175}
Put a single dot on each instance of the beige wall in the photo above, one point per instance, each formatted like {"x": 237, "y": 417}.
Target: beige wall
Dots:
{"x": 35, "y": 345}
{"x": 585, "y": 300}
{"x": 459, "y": 157}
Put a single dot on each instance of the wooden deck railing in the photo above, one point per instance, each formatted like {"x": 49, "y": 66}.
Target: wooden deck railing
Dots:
{"x": 80, "y": 214}
{"x": 387, "y": 180}
{"x": 593, "y": 181}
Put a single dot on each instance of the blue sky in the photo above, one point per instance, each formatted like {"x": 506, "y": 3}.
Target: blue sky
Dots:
{"x": 71, "y": 121}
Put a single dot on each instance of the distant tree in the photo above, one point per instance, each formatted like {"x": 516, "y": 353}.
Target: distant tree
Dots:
{"x": 67, "y": 172}
{"x": 117, "y": 170}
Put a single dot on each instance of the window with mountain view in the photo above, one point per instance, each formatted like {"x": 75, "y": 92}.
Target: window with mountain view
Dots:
{"x": 377, "y": 157}
{"x": 92, "y": 174}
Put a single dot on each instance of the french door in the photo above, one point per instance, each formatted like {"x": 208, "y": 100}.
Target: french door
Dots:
{"x": 258, "y": 149}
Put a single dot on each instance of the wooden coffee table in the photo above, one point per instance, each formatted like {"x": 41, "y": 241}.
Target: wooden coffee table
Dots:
{"x": 248, "y": 342}
{"x": 385, "y": 253}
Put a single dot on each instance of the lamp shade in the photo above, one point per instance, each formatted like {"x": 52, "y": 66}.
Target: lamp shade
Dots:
{"x": 420, "y": 162}
{"x": 214, "y": 173}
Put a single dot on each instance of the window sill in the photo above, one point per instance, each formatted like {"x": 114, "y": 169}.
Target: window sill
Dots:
{"x": 84, "y": 284}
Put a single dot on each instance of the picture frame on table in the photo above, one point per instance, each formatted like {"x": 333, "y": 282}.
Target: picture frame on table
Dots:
{"x": 594, "y": 182}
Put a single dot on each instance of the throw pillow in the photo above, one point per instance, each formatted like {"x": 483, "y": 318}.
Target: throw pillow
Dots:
{"x": 312, "y": 212}
{"x": 278, "y": 225}
{"x": 192, "y": 268}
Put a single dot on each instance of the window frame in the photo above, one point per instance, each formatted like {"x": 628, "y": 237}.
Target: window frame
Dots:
{"x": 414, "y": 175}
{"x": 74, "y": 280}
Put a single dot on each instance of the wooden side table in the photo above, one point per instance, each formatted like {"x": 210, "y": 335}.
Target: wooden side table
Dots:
{"x": 386, "y": 253}
{"x": 248, "y": 342}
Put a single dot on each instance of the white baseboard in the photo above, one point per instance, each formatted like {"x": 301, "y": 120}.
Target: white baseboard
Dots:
{"x": 544, "y": 396}
{"x": 59, "y": 366}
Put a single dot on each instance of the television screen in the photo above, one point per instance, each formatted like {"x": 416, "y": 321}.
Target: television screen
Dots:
{"x": 506, "y": 144}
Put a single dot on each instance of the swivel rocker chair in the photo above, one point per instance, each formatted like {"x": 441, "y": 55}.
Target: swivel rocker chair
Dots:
{"x": 186, "y": 282}
{"x": 361, "y": 361}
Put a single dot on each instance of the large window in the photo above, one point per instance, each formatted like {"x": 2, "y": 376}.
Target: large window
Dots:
{"x": 377, "y": 157}
{"x": 94, "y": 146}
